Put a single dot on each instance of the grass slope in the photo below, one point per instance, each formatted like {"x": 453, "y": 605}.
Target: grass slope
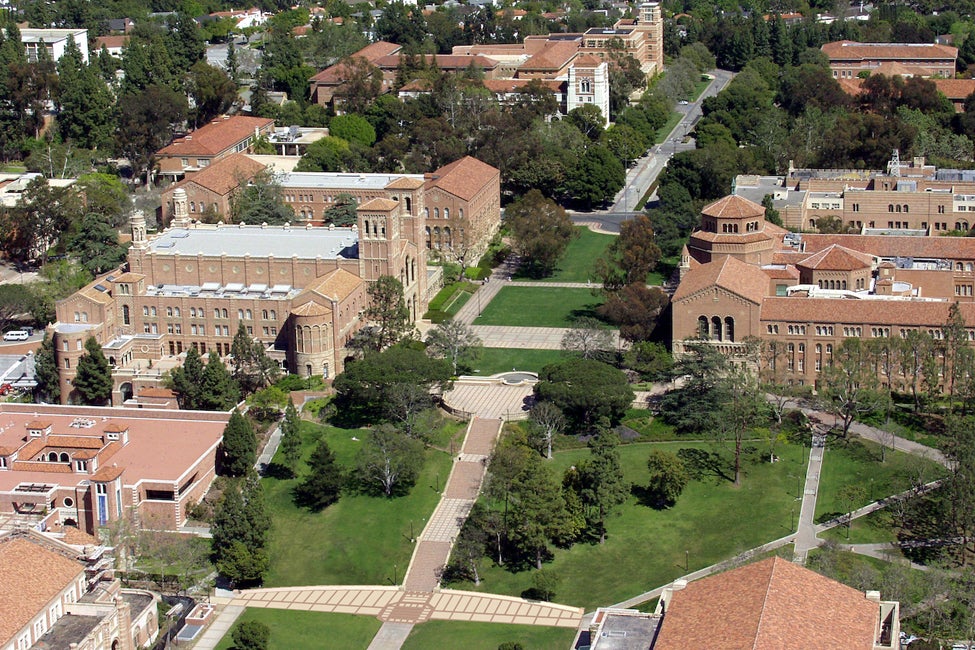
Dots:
{"x": 645, "y": 548}
{"x": 538, "y": 307}
{"x": 296, "y": 630}
{"x": 360, "y": 539}
{"x": 576, "y": 263}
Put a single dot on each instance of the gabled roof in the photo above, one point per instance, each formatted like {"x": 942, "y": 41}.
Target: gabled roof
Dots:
{"x": 32, "y": 576}
{"x": 906, "y": 313}
{"x": 769, "y": 605}
{"x": 729, "y": 273}
{"x": 733, "y": 207}
{"x": 337, "y": 284}
{"x": 370, "y": 53}
{"x": 380, "y": 205}
{"x": 225, "y": 175}
{"x": 890, "y": 246}
{"x": 463, "y": 178}
{"x": 505, "y": 86}
{"x": 903, "y": 51}
{"x": 553, "y": 56}
{"x": 955, "y": 89}
{"x": 217, "y": 136}
{"x": 837, "y": 258}
{"x": 442, "y": 61}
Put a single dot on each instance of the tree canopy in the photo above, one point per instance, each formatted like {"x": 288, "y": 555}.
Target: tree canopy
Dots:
{"x": 586, "y": 390}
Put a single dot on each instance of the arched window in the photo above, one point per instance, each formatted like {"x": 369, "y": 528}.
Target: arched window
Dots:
{"x": 436, "y": 213}
{"x": 52, "y": 457}
{"x": 897, "y": 208}
{"x": 585, "y": 86}
{"x": 64, "y": 458}
{"x": 461, "y": 213}
{"x": 716, "y": 328}
{"x": 446, "y": 213}
{"x": 907, "y": 208}
{"x": 702, "y": 327}
{"x": 729, "y": 329}
{"x": 890, "y": 207}
{"x": 126, "y": 318}
{"x": 426, "y": 213}
{"x": 429, "y": 240}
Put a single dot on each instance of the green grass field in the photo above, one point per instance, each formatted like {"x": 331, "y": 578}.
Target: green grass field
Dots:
{"x": 858, "y": 462}
{"x": 360, "y": 539}
{"x": 645, "y": 548}
{"x": 576, "y": 264}
{"x": 875, "y": 528}
{"x": 295, "y": 630}
{"x": 486, "y": 636}
{"x": 538, "y": 307}
{"x": 495, "y": 360}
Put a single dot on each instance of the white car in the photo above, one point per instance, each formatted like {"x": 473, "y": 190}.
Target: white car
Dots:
{"x": 16, "y": 335}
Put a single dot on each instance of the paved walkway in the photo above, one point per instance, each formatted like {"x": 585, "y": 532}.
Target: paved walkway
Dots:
{"x": 535, "y": 338}
{"x": 489, "y": 400}
{"x": 806, "y": 531}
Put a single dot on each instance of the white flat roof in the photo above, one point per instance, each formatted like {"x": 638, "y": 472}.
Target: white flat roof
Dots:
{"x": 328, "y": 180}
{"x": 256, "y": 241}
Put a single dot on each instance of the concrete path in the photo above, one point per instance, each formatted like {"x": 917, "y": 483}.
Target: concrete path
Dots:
{"x": 391, "y": 635}
{"x": 220, "y": 626}
{"x": 524, "y": 338}
{"x": 806, "y": 538}
{"x": 460, "y": 491}
{"x": 271, "y": 448}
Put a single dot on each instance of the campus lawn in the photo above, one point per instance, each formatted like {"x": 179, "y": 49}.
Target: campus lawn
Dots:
{"x": 539, "y": 307}
{"x": 495, "y": 360}
{"x": 576, "y": 263}
{"x": 359, "y": 540}
{"x": 486, "y": 636}
{"x": 858, "y": 461}
{"x": 875, "y": 528}
{"x": 296, "y": 630}
{"x": 665, "y": 268}
{"x": 645, "y": 548}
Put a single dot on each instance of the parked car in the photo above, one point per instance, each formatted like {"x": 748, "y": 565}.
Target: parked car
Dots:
{"x": 16, "y": 335}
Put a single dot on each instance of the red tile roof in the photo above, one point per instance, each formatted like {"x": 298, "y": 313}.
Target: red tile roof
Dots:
{"x": 729, "y": 273}
{"x": 226, "y": 174}
{"x": 838, "y": 50}
{"x": 837, "y": 258}
{"x": 500, "y": 86}
{"x": 216, "y": 137}
{"x": 371, "y": 53}
{"x": 955, "y": 89}
{"x": 442, "y": 61}
{"x": 907, "y": 313}
{"x": 889, "y": 246}
{"x": 734, "y": 207}
{"x": 769, "y": 605}
{"x": 32, "y": 577}
{"x": 463, "y": 178}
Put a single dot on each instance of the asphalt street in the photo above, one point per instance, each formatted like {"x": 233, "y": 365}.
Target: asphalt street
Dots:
{"x": 645, "y": 171}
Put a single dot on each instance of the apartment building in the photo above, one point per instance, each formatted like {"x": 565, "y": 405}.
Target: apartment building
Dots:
{"x": 847, "y": 59}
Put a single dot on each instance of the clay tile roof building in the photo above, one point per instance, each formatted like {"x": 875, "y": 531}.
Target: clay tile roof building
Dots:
{"x": 848, "y": 58}
{"x": 729, "y": 273}
{"x": 837, "y": 258}
{"x": 209, "y": 190}
{"x": 33, "y": 577}
{"x": 462, "y": 178}
{"x": 220, "y": 138}
{"x": 774, "y": 605}
{"x": 956, "y": 90}
{"x": 735, "y": 207}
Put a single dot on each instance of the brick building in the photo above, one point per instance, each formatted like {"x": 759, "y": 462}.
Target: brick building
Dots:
{"x": 461, "y": 200}
{"x": 814, "y": 290}
{"x": 55, "y": 596}
{"x": 219, "y": 139}
{"x": 847, "y": 59}
{"x": 300, "y": 291}
{"x": 89, "y": 467}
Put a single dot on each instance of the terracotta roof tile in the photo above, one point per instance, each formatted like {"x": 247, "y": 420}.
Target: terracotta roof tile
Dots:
{"x": 311, "y": 308}
{"x": 730, "y": 273}
{"x": 39, "y": 424}
{"x": 837, "y": 258}
{"x": 505, "y": 86}
{"x": 769, "y": 605}
{"x": 734, "y": 207}
{"x": 226, "y": 174}
{"x": 463, "y": 178}
{"x": 32, "y": 576}
{"x": 776, "y": 273}
{"x": 111, "y": 42}
{"x": 337, "y": 284}
{"x": 890, "y": 246}
{"x": 903, "y": 51}
{"x": 382, "y": 205}
{"x": 443, "y": 61}
{"x": 108, "y": 473}
{"x": 217, "y": 136}
{"x": 76, "y": 537}
{"x": 906, "y": 313}
{"x": 45, "y": 468}
{"x": 156, "y": 392}
{"x": 956, "y": 89}
{"x": 405, "y": 183}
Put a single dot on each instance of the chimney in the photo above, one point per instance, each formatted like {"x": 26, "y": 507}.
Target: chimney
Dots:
{"x": 873, "y": 596}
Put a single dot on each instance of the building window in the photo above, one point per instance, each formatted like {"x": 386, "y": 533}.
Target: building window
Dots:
{"x": 126, "y": 319}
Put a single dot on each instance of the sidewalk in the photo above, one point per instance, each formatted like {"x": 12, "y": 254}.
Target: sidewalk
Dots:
{"x": 806, "y": 532}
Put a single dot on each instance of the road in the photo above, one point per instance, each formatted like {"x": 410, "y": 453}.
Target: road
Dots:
{"x": 644, "y": 173}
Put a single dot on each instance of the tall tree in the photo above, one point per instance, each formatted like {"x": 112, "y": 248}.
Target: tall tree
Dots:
{"x": 589, "y": 339}
{"x": 187, "y": 380}
{"x": 741, "y": 412}
{"x": 387, "y": 309}
{"x": 668, "y": 477}
{"x": 540, "y": 232}
{"x": 960, "y": 448}
{"x": 93, "y": 377}
{"x": 539, "y": 515}
{"x": 291, "y": 437}
{"x": 48, "y": 387}
{"x": 600, "y": 484}
{"x": 322, "y": 485}
{"x": 240, "y": 526}
{"x": 212, "y": 90}
{"x": 454, "y": 341}
{"x": 691, "y": 408}
{"x": 238, "y": 451}
{"x": 218, "y": 390}
{"x": 147, "y": 119}
{"x": 597, "y": 177}
{"x": 849, "y": 387}
{"x": 84, "y": 102}
{"x": 548, "y": 421}
{"x": 632, "y": 255}
{"x": 251, "y": 368}
{"x": 586, "y": 391}
{"x": 97, "y": 245}
{"x": 260, "y": 201}
{"x": 388, "y": 461}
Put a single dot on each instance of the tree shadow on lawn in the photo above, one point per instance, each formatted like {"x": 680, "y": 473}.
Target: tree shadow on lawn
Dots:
{"x": 587, "y": 311}
{"x": 702, "y": 464}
